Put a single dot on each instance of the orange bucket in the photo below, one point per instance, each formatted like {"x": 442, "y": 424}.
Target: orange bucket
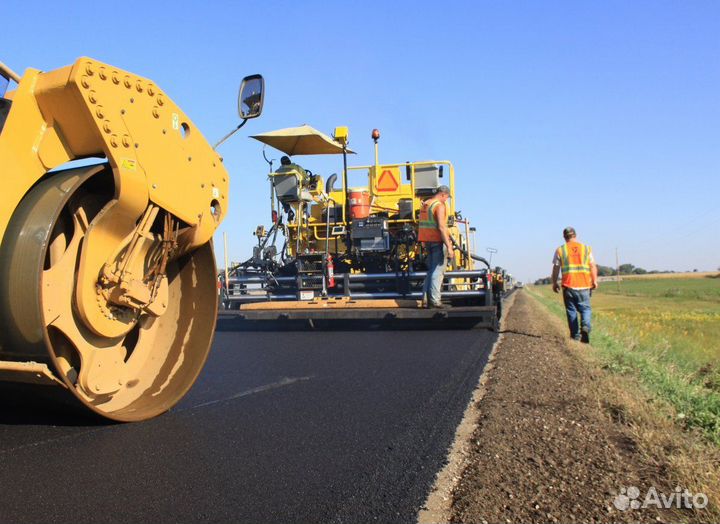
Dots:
{"x": 359, "y": 203}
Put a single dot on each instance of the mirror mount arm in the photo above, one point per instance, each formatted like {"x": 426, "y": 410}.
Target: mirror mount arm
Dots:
{"x": 231, "y": 133}
{"x": 9, "y": 73}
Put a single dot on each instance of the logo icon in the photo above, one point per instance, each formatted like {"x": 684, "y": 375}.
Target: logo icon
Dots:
{"x": 627, "y": 499}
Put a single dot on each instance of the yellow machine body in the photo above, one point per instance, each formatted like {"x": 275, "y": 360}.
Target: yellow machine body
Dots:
{"x": 108, "y": 274}
{"x": 352, "y": 236}
{"x": 91, "y": 109}
{"x": 388, "y": 185}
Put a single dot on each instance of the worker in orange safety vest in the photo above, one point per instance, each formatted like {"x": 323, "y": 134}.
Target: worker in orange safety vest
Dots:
{"x": 433, "y": 233}
{"x": 579, "y": 278}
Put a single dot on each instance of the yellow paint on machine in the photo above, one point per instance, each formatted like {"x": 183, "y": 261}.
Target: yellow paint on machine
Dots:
{"x": 115, "y": 299}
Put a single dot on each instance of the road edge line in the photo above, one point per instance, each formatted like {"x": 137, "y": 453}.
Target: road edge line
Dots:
{"x": 439, "y": 501}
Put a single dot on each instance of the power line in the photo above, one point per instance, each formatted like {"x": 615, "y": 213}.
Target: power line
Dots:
{"x": 679, "y": 228}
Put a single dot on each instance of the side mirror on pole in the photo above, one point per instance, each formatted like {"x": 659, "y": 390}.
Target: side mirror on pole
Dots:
{"x": 251, "y": 97}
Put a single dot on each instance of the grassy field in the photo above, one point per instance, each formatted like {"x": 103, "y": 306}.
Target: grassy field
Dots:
{"x": 656, "y": 276}
{"x": 666, "y": 332}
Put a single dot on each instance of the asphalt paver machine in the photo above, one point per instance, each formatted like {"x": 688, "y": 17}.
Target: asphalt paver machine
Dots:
{"x": 339, "y": 253}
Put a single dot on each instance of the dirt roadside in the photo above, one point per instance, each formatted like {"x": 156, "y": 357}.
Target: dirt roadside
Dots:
{"x": 546, "y": 444}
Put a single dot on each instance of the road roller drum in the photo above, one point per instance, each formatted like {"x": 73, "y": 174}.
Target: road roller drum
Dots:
{"x": 108, "y": 289}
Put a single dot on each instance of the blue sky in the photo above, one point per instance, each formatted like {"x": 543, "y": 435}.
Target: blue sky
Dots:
{"x": 601, "y": 115}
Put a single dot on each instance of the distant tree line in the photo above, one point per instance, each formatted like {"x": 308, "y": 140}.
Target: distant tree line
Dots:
{"x": 607, "y": 271}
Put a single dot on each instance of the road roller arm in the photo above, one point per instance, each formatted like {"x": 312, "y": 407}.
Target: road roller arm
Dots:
{"x": 99, "y": 110}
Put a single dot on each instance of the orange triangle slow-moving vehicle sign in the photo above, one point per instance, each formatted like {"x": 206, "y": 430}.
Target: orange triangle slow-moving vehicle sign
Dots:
{"x": 387, "y": 182}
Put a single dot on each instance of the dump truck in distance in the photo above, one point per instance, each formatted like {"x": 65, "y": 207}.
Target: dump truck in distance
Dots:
{"x": 108, "y": 294}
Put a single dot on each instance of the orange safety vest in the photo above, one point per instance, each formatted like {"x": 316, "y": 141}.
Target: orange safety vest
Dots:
{"x": 428, "y": 230}
{"x": 575, "y": 265}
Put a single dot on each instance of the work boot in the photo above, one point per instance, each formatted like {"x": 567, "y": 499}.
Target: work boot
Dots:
{"x": 438, "y": 306}
{"x": 585, "y": 335}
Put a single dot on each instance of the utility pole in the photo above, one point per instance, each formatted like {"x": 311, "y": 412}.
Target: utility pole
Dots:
{"x": 491, "y": 250}
{"x": 225, "y": 242}
{"x": 617, "y": 269}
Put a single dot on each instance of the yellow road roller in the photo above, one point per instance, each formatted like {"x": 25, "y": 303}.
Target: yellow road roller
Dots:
{"x": 110, "y": 198}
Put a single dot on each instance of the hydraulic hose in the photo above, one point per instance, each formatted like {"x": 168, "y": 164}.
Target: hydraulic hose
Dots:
{"x": 469, "y": 255}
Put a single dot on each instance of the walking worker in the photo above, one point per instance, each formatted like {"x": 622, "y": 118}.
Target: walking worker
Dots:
{"x": 579, "y": 278}
{"x": 433, "y": 232}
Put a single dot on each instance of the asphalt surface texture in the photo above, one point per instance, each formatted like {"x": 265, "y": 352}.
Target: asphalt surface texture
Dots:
{"x": 342, "y": 426}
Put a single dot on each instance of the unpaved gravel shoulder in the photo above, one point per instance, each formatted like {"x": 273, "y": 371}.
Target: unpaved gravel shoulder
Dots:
{"x": 544, "y": 448}
{"x": 438, "y": 505}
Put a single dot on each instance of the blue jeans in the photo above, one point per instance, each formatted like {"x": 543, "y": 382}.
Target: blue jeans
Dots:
{"x": 436, "y": 262}
{"x": 577, "y": 301}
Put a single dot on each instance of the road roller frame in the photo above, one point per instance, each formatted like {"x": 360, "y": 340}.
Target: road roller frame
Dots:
{"x": 168, "y": 194}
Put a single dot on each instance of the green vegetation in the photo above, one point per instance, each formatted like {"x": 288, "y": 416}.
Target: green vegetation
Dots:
{"x": 686, "y": 292}
{"x": 665, "y": 332}
{"x": 623, "y": 270}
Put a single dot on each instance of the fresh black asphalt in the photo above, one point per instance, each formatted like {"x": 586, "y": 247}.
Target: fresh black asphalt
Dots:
{"x": 342, "y": 426}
